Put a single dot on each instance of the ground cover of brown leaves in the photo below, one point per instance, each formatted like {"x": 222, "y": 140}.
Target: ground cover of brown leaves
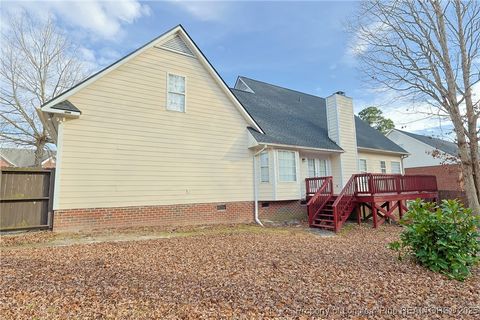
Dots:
{"x": 291, "y": 273}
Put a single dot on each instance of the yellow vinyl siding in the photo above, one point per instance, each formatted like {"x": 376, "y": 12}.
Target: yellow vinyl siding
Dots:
{"x": 126, "y": 149}
{"x": 373, "y": 161}
{"x": 348, "y": 140}
{"x": 342, "y": 130}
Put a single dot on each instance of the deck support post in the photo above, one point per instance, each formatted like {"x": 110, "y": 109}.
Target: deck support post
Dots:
{"x": 374, "y": 214}
{"x": 359, "y": 214}
{"x": 400, "y": 209}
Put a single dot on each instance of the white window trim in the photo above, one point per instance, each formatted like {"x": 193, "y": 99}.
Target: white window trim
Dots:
{"x": 167, "y": 92}
{"x": 296, "y": 166}
{"x": 399, "y": 166}
{"x": 366, "y": 165}
{"x": 317, "y": 167}
{"x": 385, "y": 167}
{"x": 268, "y": 166}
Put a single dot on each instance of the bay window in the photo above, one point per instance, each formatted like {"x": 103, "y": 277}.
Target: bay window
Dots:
{"x": 287, "y": 166}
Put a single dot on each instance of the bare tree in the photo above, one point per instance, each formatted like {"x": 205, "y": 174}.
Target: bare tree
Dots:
{"x": 428, "y": 50}
{"x": 37, "y": 62}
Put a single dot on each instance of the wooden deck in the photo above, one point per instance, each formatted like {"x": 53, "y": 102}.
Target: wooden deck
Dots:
{"x": 382, "y": 194}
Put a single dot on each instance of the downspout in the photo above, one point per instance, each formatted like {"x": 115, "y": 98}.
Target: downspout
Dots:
{"x": 402, "y": 169}
{"x": 255, "y": 185}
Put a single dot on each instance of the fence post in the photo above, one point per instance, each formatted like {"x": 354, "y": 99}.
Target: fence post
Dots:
{"x": 51, "y": 191}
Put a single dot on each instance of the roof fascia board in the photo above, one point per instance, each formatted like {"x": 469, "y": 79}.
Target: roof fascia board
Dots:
{"x": 381, "y": 151}
{"x": 299, "y": 147}
{"x": 64, "y": 96}
{"x": 8, "y": 160}
{"x": 213, "y": 72}
{"x": 46, "y": 122}
{"x": 101, "y": 73}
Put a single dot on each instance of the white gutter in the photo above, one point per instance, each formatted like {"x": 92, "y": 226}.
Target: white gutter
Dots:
{"x": 255, "y": 185}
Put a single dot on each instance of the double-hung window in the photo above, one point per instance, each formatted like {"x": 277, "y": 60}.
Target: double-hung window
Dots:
{"x": 396, "y": 167}
{"x": 383, "y": 167}
{"x": 264, "y": 171}
{"x": 362, "y": 165}
{"x": 287, "y": 166}
{"x": 175, "y": 93}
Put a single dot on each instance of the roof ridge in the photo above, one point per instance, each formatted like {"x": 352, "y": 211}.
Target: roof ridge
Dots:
{"x": 284, "y": 88}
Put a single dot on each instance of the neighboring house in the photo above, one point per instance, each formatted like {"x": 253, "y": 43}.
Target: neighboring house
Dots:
{"x": 18, "y": 157}
{"x": 174, "y": 145}
{"x": 424, "y": 150}
{"x": 432, "y": 156}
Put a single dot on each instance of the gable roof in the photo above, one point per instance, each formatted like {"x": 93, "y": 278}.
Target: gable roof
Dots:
{"x": 291, "y": 117}
{"x": 287, "y": 117}
{"x": 442, "y": 145}
{"x": 370, "y": 138}
{"x": 58, "y": 105}
{"x": 19, "y": 157}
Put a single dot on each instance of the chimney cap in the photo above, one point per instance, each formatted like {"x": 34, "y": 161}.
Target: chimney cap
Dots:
{"x": 341, "y": 93}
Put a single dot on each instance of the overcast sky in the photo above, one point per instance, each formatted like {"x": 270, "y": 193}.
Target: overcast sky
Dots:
{"x": 298, "y": 45}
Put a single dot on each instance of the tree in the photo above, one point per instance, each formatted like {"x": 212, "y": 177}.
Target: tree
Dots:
{"x": 428, "y": 51}
{"x": 374, "y": 117}
{"x": 37, "y": 62}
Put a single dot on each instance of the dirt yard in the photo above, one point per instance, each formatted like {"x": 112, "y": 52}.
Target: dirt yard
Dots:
{"x": 224, "y": 272}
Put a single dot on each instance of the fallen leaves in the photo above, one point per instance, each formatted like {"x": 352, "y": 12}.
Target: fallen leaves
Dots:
{"x": 228, "y": 275}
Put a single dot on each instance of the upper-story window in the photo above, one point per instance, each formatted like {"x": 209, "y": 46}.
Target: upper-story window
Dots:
{"x": 175, "y": 93}
{"x": 287, "y": 166}
{"x": 383, "y": 167}
{"x": 362, "y": 165}
{"x": 264, "y": 171}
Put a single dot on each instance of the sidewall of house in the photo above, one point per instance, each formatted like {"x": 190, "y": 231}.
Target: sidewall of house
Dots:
{"x": 420, "y": 153}
{"x": 127, "y": 150}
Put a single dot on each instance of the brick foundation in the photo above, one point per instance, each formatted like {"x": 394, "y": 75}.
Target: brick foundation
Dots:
{"x": 145, "y": 216}
{"x": 282, "y": 211}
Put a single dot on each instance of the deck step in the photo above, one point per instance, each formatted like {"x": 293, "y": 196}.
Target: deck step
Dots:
{"x": 325, "y": 226}
{"x": 324, "y": 215}
{"x": 319, "y": 221}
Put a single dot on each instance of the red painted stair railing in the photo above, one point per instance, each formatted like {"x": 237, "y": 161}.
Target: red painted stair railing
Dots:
{"x": 322, "y": 195}
{"x": 346, "y": 201}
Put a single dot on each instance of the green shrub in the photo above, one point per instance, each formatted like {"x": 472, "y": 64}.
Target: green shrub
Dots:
{"x": 443, "y": 238}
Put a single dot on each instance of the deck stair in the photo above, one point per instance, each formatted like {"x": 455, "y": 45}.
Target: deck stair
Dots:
{"x": 324, "y": 218}
{"x": 382, "y": 194}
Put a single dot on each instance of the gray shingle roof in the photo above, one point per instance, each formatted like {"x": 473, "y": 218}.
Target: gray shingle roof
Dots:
{"x": 442, "y": 145}
{"x": 23, "y": 157}
{"x": 296, "y": 118}
{"x": 66, "y": 105}
{"x": 368, "y": 137}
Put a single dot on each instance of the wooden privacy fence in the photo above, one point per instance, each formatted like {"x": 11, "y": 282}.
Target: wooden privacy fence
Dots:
{"x": 26, "y": 198}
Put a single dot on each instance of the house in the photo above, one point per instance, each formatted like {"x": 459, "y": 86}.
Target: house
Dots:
{"x": 424, "y": 150}
{"x": 19, "y": 157}
{"x": 433, "y": 156}
{"x": 174, "y": 145}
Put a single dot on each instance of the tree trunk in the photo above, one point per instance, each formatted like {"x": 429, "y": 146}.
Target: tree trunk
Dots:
{"x": 39, "y": 151}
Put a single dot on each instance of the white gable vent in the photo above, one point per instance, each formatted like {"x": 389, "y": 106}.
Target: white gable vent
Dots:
{"x": 241, "y": 85}
{"x": 178, "y": 45}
